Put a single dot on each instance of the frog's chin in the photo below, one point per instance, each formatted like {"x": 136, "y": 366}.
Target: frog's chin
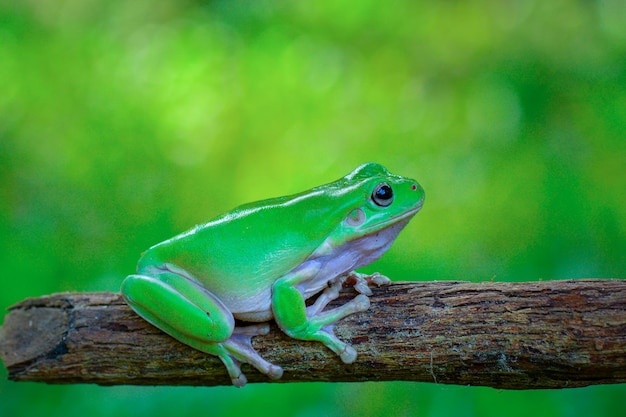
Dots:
{"x": 371, "y": 241}
{"x": 362, "y": 249}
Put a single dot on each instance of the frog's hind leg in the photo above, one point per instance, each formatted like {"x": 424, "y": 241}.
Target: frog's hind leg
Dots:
{"x": 186, "y": 311}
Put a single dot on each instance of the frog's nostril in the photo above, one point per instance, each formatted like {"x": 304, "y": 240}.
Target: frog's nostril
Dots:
{"x": 413, "y": 187}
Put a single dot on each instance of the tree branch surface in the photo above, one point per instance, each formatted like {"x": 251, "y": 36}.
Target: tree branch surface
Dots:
{"x": 551, "y": 334}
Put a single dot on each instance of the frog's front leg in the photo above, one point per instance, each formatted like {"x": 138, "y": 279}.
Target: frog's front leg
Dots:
{"x": 300, "y": 322}
{"x": 179, "y": 306}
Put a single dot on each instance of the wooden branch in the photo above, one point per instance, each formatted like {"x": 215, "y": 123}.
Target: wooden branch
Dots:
{"x": 528, "y": 335}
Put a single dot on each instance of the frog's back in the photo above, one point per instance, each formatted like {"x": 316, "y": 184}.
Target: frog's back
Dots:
{"x": 247, "y": 249}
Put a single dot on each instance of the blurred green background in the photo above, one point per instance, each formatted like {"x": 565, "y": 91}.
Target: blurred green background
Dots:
{"x": 124, "y": 123}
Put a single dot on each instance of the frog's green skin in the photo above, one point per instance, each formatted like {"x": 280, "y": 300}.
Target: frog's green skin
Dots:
{"x": 262, "y": 260}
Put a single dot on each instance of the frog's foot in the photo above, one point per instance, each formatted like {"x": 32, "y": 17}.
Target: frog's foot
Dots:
{"x": 239, "y": 347}
{"x": 234, "y": 371}
{"x": 362, "y": 282}
{"x": 320, "y": 325}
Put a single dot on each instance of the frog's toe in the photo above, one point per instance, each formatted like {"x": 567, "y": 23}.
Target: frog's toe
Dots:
{"x": 362, "y": 282}
{"x": 378, "y": 279}
{"x": 361, "y": 302}
{"x": 362, "y": 288}
{"x": 234, "y": 371}
{"x": 275, "y": 372}
{"x": 348, "y": 355}
{"x": 239, "y": 381}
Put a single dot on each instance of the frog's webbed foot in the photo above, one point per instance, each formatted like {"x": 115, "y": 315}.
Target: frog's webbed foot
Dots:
{"x": 240, "y": 350}
{"x": 362, "y": 282}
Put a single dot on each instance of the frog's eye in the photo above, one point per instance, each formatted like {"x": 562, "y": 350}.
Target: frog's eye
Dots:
{"x": 382, "y": 195}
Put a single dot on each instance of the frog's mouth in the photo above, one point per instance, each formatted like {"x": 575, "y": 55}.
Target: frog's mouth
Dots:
{"x": 406, "y": 215}
{"x": 399, "y": 220}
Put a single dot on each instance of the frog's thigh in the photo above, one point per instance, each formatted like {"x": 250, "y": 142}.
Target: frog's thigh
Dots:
{"x": 179, "y": 307}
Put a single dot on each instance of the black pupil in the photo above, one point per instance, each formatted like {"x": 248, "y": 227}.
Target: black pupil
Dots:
{"x": 384, "y": 192}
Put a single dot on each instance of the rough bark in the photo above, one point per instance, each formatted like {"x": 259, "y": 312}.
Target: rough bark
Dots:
{"x": 529, "y": 335}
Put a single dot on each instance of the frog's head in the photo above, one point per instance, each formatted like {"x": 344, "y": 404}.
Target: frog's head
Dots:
{"x": 380, "y": 200}
{"x": 376, "y": 205}
{"x": 360, "y": 214}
